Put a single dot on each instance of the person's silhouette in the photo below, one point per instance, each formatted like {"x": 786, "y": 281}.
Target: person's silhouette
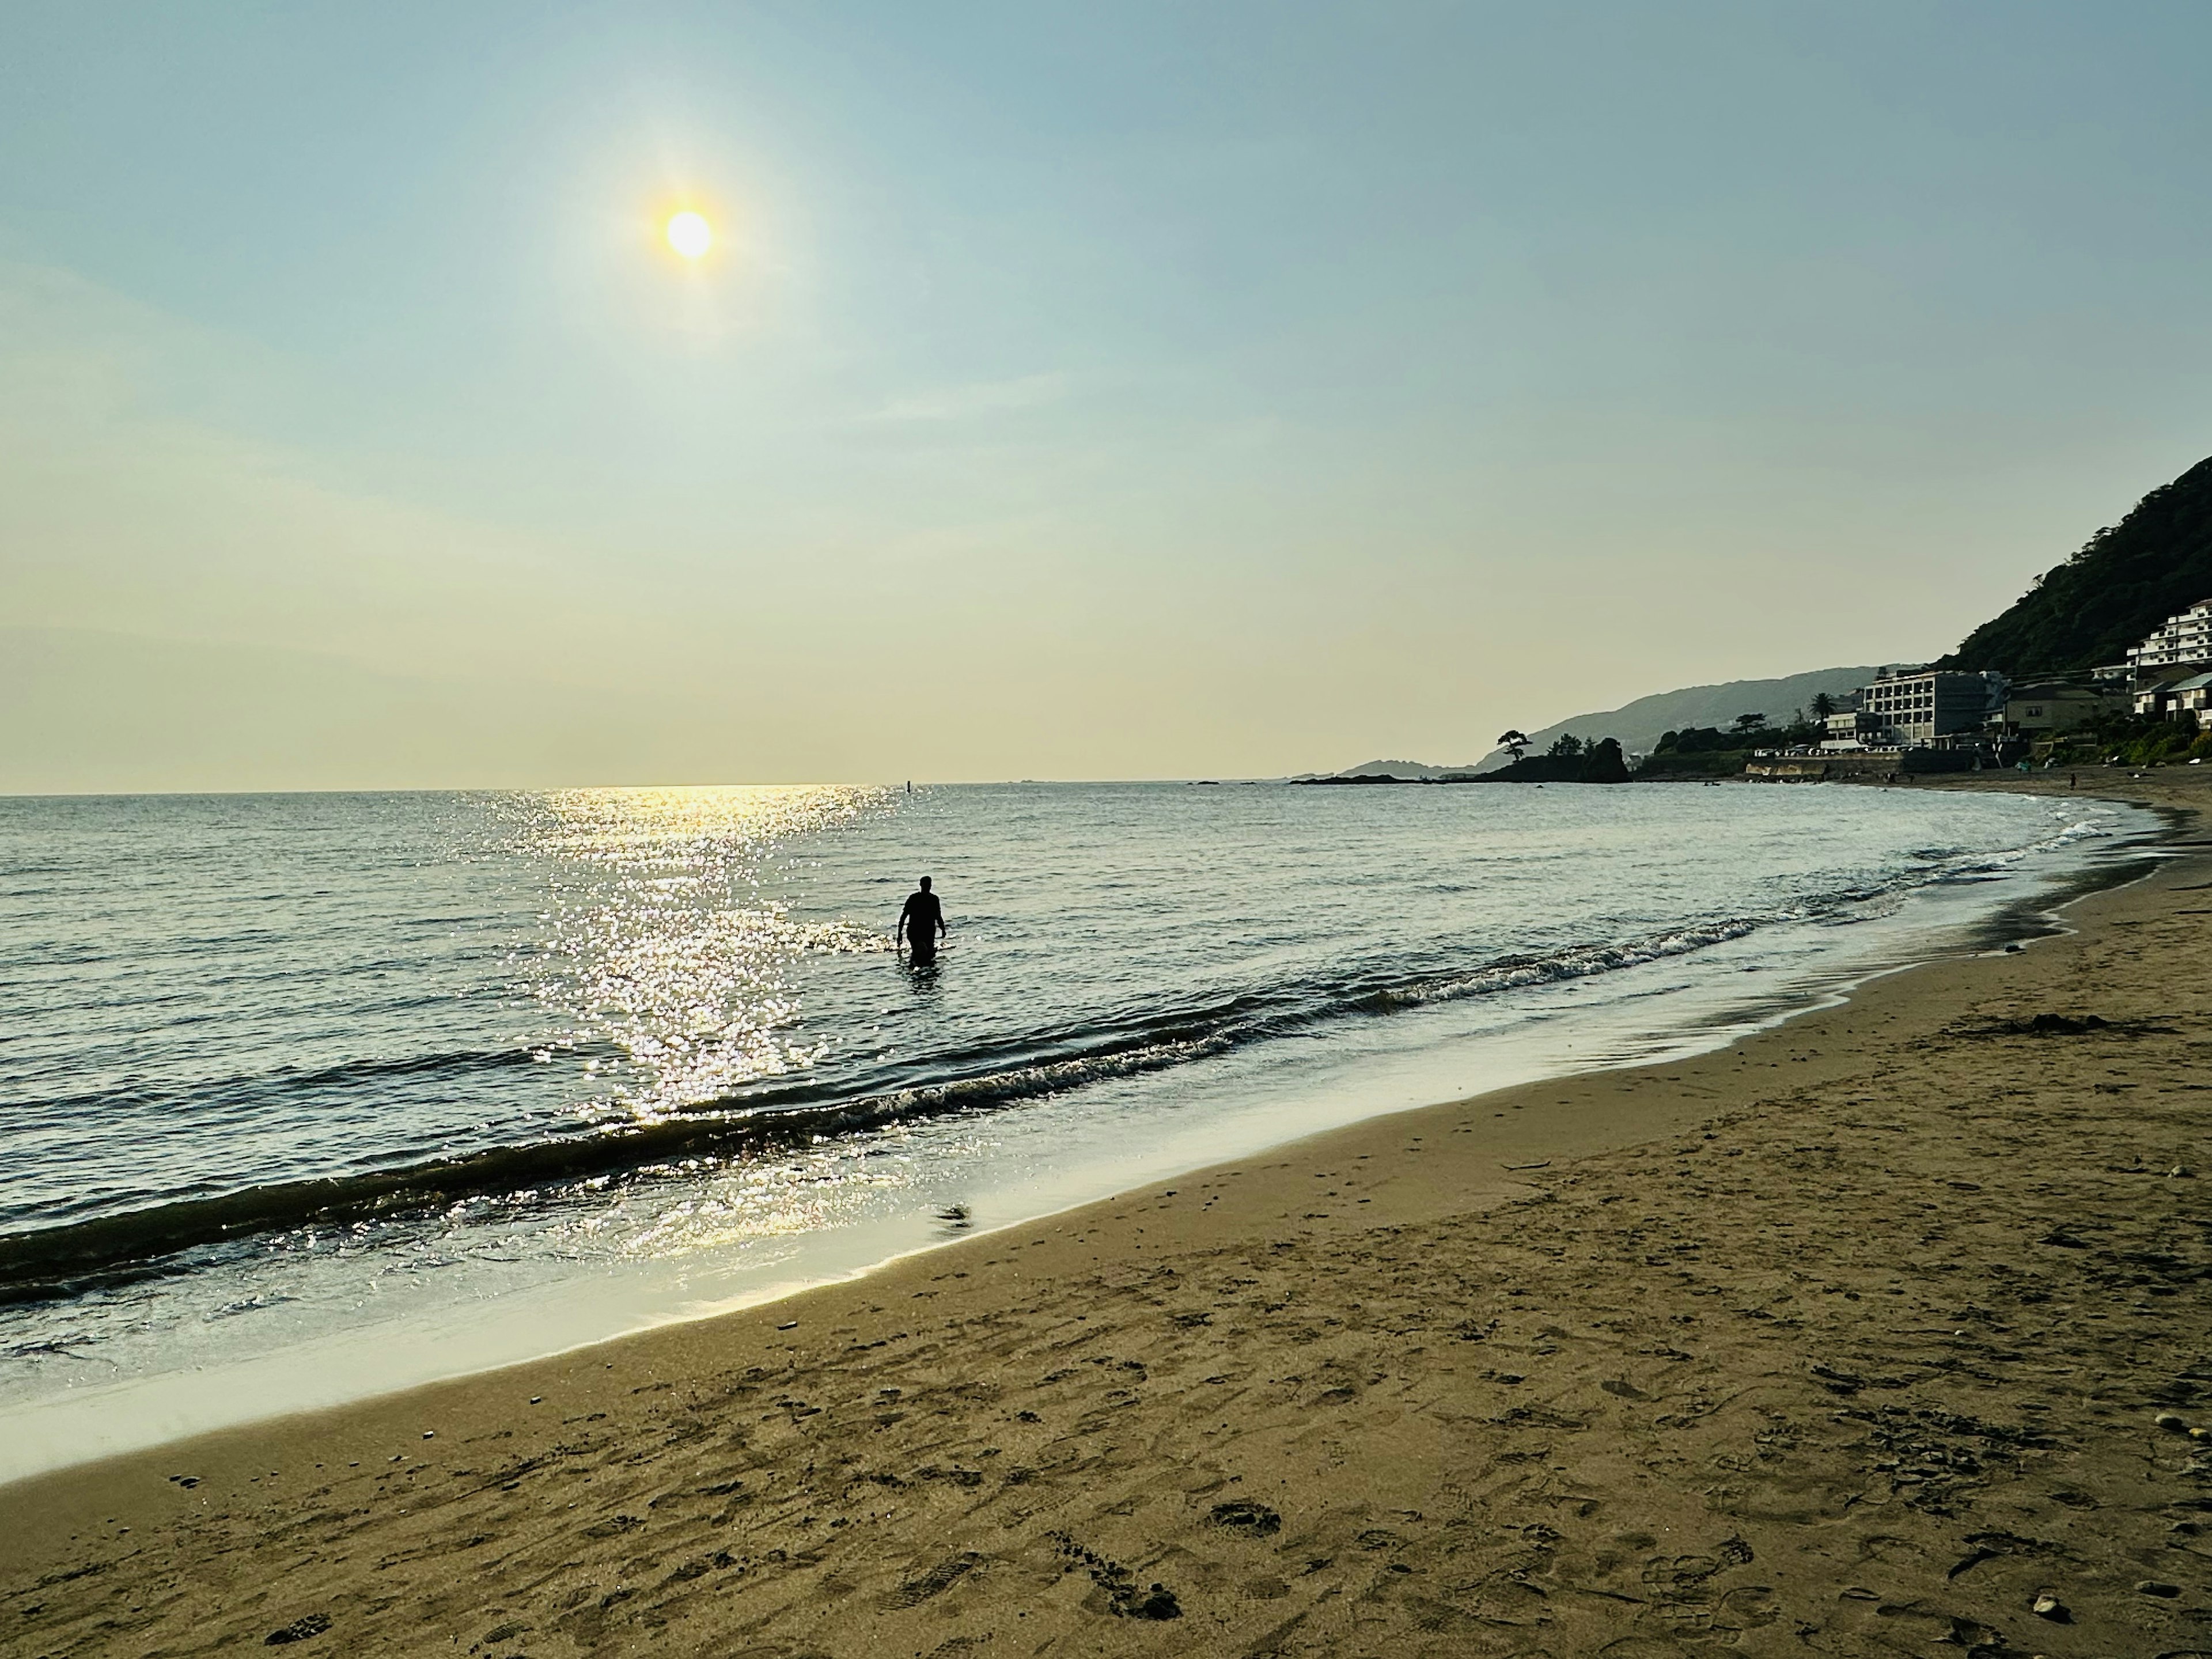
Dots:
{"x": 921, "y": 921}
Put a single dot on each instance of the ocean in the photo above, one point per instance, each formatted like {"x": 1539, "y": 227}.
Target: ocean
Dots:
{"x": 303, "y": 1097}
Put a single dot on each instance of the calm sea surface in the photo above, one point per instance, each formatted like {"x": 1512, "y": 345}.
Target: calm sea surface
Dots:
{"x": 281, "y": 1073}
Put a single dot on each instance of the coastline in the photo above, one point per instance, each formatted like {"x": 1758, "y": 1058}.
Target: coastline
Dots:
{"x": 304, "y": 1323}
{"x": 1379, "y": 1389}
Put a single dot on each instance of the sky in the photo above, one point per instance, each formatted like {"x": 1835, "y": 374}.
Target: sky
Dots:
{"x": 1073, "y": 390}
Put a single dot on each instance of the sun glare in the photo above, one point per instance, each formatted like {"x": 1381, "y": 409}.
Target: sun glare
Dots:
{"x": 690, "y": 234}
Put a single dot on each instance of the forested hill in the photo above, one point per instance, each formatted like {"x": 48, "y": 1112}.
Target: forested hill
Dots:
{"x": 1640, "y": 725}
{"x": 2127, "y": 580}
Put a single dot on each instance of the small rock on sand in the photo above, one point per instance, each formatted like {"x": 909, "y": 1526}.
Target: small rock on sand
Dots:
{"x": 1256, "y": 1519}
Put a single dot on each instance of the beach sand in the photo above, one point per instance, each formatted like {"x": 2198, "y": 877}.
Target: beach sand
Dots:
{"x": 1846, "y": 1339}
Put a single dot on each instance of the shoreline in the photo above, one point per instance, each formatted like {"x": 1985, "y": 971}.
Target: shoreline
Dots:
{"x": 681, "y": 1446}
{"x": 1793, "y": 970}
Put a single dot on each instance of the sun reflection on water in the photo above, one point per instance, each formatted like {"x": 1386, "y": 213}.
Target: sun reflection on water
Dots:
{"x": 660, "y": 944}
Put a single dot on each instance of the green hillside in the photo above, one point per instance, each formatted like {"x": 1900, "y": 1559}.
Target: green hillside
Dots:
{"x": 2127, "y": 580}
{"x": 1640, "y": 725}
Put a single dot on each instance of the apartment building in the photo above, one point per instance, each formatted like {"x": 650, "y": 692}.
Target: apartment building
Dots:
{"x": 1912, "y": 708}
{"x": 2185, "y": 638}
{"x": 2049, "y": 707}
{"x": 2172, "y": 696}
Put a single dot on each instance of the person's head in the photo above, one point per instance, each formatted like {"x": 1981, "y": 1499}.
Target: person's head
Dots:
{"x": 925, "y": 883}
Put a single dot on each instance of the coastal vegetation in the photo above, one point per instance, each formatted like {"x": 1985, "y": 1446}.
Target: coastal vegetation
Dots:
{"x": 1569, "y": 760}
{"x": 2132, "y": 740}
{"x": 2125, "y": 739}
{"x": 1638, "y": 725}
{"x": 2125, "y": 581}
{"x": 2086, "y": 613}
{"x": 1708, "y": 752}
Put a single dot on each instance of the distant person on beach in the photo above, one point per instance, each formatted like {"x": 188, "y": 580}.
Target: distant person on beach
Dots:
{"x": 921, "y": 921}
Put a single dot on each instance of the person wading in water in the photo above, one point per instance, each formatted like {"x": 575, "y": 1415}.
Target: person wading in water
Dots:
{"x": 921, "y": 921}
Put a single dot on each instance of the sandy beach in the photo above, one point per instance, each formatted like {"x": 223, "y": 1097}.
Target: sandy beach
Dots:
{"x": 1851, "y": 1339}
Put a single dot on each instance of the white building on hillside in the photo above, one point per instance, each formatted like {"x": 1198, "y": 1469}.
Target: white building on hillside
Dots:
{"x": 2185, "y": 638}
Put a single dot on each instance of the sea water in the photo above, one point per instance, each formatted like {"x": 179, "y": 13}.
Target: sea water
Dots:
{"x": 306, "y": 1096}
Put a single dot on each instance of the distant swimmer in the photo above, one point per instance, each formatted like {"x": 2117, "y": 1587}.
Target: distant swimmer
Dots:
{"x": 922, "y": 922}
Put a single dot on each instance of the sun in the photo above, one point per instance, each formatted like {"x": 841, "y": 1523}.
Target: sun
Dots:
{"x": 690, "y": 234}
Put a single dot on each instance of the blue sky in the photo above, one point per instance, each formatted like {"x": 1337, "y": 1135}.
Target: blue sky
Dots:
{"x": 1130, "y": 391}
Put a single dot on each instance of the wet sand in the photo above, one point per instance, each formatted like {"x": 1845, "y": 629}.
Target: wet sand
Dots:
{"x": 1847, "y": 1339}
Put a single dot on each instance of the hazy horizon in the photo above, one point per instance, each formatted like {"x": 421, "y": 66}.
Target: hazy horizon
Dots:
{"x": 1068, "y": 394}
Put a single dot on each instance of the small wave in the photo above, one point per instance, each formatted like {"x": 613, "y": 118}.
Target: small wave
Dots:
{"x": 54, "y": 1347}
{"x": 37, "y": 1264}
{"x": 250, "y": 1305}
{"x": 41, "y": 1261}
{"x": 1512, "y": 972}
{"x": 301, "y": 1080}
{"x": 2083, "y": 829}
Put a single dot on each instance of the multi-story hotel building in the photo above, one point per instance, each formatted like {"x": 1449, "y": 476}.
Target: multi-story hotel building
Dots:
{"x": 2185, "y": 638}
{"x": 1914, "y": 708}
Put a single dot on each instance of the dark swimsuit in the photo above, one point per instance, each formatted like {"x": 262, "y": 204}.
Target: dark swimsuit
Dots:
{"x": 922, "y": 914}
